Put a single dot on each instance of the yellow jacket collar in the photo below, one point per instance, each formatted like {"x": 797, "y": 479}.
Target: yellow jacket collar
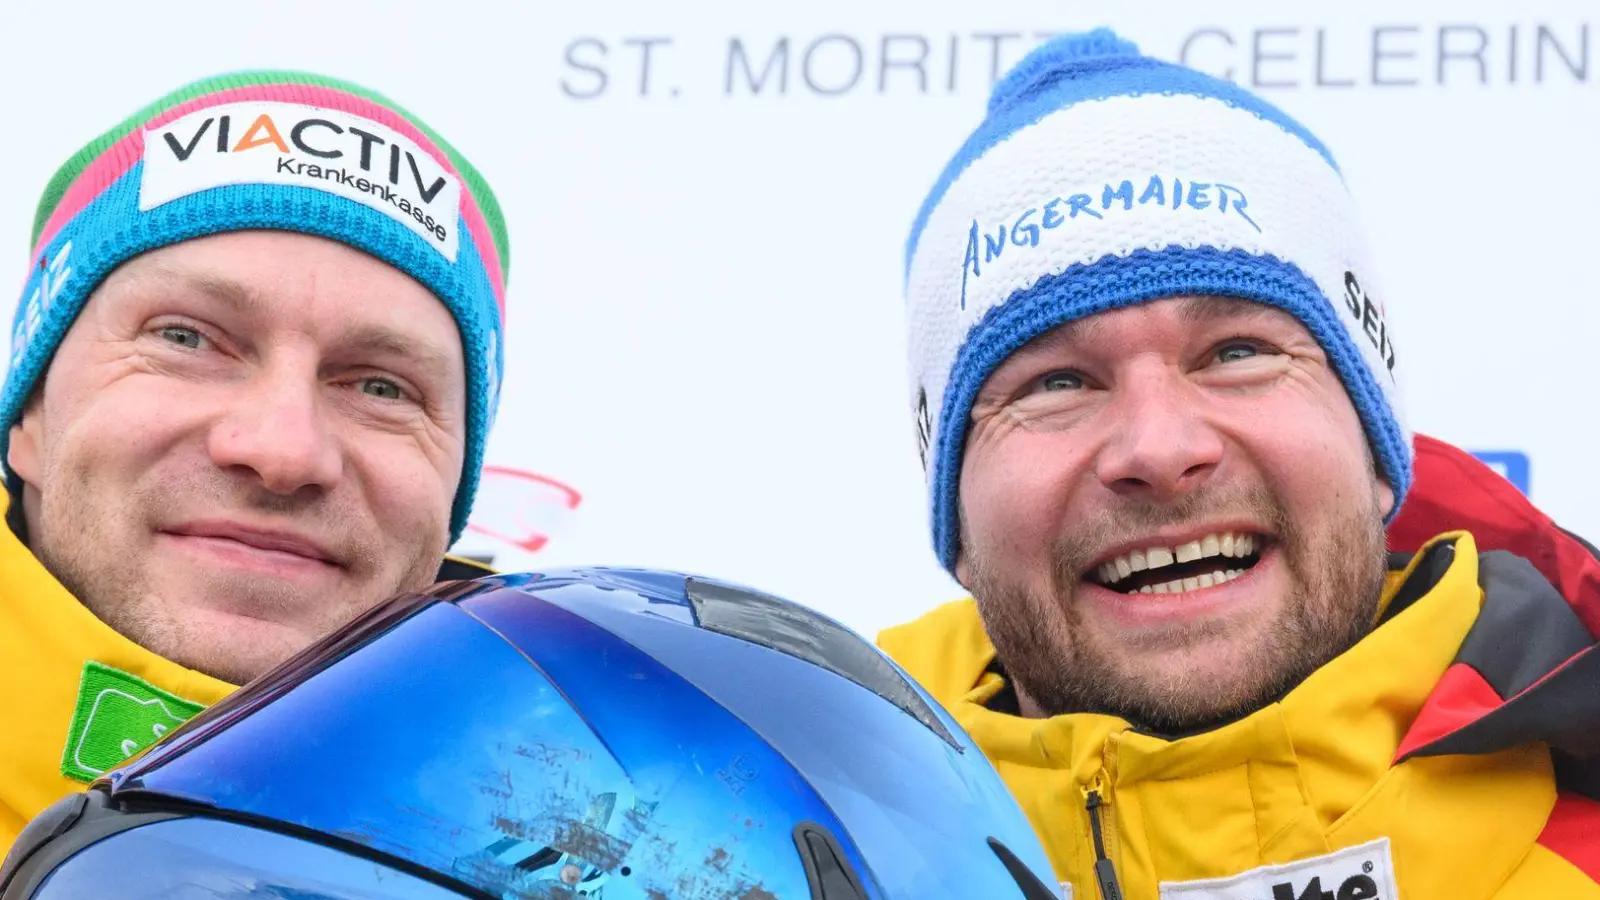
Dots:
{"x": 1366, "y": 698}
{"x": 53, "y": 650}
{"x": 75, "y": 695}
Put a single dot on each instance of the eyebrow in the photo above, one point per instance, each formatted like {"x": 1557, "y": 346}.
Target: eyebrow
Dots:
{"x": 385, "y": 341}
{"x": 1191, "y": 311}
{"x": 247, "y": 301}
{"x": 1204, "y": 310}
{"x": 224, "y": 290}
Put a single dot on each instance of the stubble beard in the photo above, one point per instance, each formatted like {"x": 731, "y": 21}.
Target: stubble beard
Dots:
{"x": 1335, "y": 579}
{"x": 81, "y": 545}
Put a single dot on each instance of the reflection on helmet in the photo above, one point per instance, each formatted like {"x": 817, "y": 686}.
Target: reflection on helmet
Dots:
{"x": 545, "y": 868}
{"x": 587, "y": 733}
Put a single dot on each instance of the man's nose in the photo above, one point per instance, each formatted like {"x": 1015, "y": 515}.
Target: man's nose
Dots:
{"x": 1160, "y": 446}
{"x": 278, "y": 429}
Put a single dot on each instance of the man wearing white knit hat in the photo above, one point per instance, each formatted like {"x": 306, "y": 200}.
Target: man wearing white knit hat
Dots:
{"x": 1157, "y": 397}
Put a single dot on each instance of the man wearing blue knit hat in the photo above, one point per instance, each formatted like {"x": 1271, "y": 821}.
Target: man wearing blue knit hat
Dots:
{"x": 253, "y": 368}
{"x": 1158, "y": 403}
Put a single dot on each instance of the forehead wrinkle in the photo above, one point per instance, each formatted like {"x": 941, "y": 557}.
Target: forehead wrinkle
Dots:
{"x": 229, "y": 292}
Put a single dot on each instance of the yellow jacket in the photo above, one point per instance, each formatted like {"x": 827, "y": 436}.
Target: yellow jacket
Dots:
{"x": 1400, "y": 769}
{"x": 76, "y": 697}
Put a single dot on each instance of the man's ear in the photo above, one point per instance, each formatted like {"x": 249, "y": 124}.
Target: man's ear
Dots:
{"x": 1385, "y": 498}
{"x": 22, "y": 451}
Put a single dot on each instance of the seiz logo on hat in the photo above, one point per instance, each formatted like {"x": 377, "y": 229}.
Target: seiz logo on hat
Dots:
{"x": 264, "y": 142}
{"x": 924, "y": 426}
{"x": 1363, "y": 872}
{"x": 1369, "y": 317}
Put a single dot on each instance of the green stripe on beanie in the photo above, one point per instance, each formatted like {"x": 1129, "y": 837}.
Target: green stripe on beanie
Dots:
{"x": 72, "y": 168}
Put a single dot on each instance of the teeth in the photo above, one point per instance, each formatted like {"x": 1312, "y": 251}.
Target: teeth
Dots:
{"x": 1198, "y": 582}
{"x": 1221, "y": 544}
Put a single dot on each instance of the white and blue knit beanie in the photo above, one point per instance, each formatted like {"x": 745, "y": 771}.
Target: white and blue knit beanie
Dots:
{"x": 1101, "y": 178}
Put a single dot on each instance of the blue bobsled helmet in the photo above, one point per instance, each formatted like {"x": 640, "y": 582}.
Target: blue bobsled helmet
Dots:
{"x": 594, "y": 733}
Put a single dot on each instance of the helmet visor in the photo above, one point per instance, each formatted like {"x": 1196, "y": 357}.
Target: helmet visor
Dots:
{"x": 213, "y": 859}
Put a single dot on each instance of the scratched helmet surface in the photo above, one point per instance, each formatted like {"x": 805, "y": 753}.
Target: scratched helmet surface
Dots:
{"x": 616, "y": 734}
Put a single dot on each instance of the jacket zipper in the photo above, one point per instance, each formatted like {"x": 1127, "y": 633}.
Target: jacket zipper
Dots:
{"x": 1105, "y": 873}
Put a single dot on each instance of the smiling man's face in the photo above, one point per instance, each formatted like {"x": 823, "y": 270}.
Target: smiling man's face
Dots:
{"x": 1169, "y": 513}
{"x": 244, "y": 441}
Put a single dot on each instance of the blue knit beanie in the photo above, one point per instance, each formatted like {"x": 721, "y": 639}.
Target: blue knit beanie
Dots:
{"x": 1102, "y": 178}
{"x": 282, "y": 150}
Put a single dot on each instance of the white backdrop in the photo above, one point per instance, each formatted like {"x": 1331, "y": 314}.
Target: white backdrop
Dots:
{"x": 708, "y": 204}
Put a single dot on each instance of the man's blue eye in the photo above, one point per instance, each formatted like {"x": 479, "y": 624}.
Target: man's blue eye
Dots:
{"x": 382, "y": 387}
{"x": 1061, "y": 381}
{"x": 183, "y": 337}
{"x": 1236, "y": 351}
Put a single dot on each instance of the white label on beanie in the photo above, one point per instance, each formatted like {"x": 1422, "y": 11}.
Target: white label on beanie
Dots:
{"x": 264, "y": 142}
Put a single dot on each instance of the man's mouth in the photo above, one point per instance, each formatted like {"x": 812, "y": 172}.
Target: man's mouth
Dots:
{"x": 1215, "y": 559}
{"x": 273, "y": 542}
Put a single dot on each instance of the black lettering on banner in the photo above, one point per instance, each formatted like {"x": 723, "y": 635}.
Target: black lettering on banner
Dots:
{"x": 1446, "y": 53}
{"x": 955, "y": 55}
{"x": 183, "y": 151}
{"x": 924, "y": 426}
{"x": 1322, "y": 55}
{"x": 1356, "y": 887}
{"x": 995, "y": 38}
{"x": 1367, "y": 313}
{"x": 367, "y": 140}
{"x": 886, "y": 61}
{"x": 1579, "y": 69}
{"x": 1260, "y": 55}
{"x": 297, "y": 137}
{"x": 1183, "y": 52}
{"x": 428, "y": 193}
{"x": 1284, "y": 56}
{"x": 595, "y": 69}
{"x": 854, "y": 55}
{"x": 1379, "y": 54}
{"x": 288, "y": 165}
{"x": 779, "y": 59}
{"x": 1511, "y": 58}
{"x": 644, "y": 45}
